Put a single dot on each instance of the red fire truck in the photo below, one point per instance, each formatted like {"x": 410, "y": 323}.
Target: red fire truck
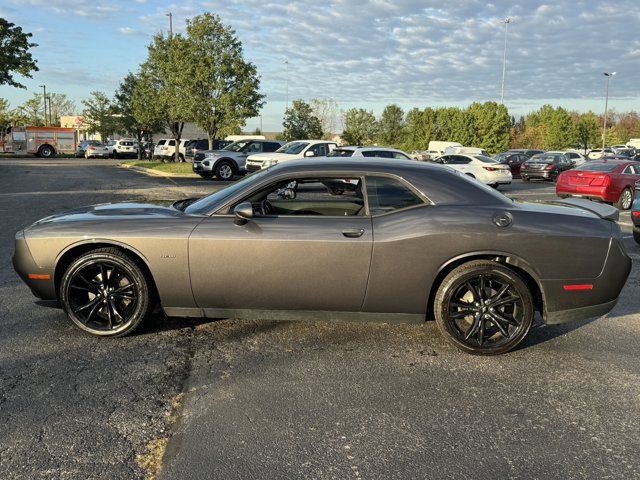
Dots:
{"x": 45, "y": 142}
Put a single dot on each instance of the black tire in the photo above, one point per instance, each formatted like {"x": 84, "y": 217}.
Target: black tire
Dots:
{"x": 636, "y": 235}
{"x": 225, "y": 170}
{"x": 94, "y": 305}
{"x": 626, "y": 199}
{"x": 495, "y": 323}
{"x": 115, "y": 154}
{"x": 46, "y": 151}
{"x": 207, "y": 176}
{"x": 181, "y": 158}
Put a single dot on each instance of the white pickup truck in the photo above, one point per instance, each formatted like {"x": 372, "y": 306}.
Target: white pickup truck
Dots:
{"x": 290, "y": 151}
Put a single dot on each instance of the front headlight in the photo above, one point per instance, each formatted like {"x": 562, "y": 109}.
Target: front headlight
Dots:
{"x": 269, "y": 163}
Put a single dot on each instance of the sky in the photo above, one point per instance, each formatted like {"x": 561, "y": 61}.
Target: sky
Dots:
{"x": 415, "y": 53}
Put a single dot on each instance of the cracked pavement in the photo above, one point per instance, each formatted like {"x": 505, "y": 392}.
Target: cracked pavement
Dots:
{"x": 268, "y": 399}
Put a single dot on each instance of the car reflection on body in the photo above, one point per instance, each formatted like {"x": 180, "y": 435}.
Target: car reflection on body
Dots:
{"x": 411, "y": 241}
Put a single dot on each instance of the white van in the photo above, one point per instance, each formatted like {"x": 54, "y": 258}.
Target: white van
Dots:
{"x": 634, "y": 142}
{"x": 465, "y": 151}
{"x": 237, "y": 138}
{"x": 440, "y": 147}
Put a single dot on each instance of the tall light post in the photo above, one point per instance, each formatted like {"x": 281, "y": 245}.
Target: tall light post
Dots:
{"x": 608, "y": 75}
{"x": 506, "y": 22}
{"x": 44, "y": 98}
{"x": 286, "y": 73}
{"x": 170, "y": 15}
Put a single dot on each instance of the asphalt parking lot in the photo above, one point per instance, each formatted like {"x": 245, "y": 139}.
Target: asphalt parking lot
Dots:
{"x": 236, "y": 399}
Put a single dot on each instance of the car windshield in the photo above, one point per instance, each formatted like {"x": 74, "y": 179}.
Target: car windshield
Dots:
{"x": 598, "y": 167}
{"x": 236, "y": 146}
{"x": 484, "y": 159}
{"x": 292, "y": 148}
{"x": 340, "y": 152}
{"x": 206, "y": 204}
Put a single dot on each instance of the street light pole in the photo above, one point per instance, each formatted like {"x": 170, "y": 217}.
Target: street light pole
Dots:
{"x": 606, "y": 109}
{"x": 286, "y": 66}
{"x": 50, "y": 110}
{"x": 506, "y": 22}
{"x": 170, "y": 15}
{"x": 44, "y": 98}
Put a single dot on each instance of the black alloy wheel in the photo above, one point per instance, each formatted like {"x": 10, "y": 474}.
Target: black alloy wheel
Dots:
{"x": 484, "y": 308}
{"x": 105, "y": 293}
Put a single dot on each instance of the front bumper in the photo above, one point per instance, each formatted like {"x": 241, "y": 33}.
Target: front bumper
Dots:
{"x": 253, "y": 166}
{"x": 199, "y": 167}
{"x": 40, "y": 281}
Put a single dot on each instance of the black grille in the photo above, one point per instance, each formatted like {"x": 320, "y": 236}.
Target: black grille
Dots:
{"x": 198, "y": 157}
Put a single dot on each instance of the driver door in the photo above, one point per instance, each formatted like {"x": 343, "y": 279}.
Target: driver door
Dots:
{"x": 304, "y": 256}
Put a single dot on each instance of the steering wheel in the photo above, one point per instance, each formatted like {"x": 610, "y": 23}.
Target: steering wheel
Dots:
{"x": 267, "y": 208}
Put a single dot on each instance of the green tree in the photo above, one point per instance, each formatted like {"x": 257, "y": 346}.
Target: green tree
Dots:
{"x": 360, "y": 126}
{"x": 456, "y": 125}
{"x": 60, "y": 105}
{"x": 587, "y": 129}
{"x": 6, "y": 116}
{"x": 300, "y": 122}
{"x": 163, "y": 91}
{"x": 326, "y": 110}
{"x": 421, "y": 126}
{"x": 491, "y": 126}
{"x": 33, "y": 110}
{"x": 14, "y": 54}
{"x": 98, "y": 115}
{"x": 391, "y": 126}
{"x": 223, "y": 87}
{"x": 125, "y": 108}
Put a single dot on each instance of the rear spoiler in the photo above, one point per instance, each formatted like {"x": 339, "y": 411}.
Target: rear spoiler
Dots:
{"x": 603, "y": 210}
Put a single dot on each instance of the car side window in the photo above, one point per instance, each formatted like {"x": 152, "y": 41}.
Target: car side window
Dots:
{"x": 460, "y": 160}
{"x": 319, "y": 150}
{"x": 630, "y": 170}
{"x": 399, "y": 156}
{"x": 270, "y": 147}
{"x": 254, "y": 147}
{"x": 386, "y": 194}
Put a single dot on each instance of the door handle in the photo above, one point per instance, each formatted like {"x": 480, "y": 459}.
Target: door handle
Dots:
{"x": 353, "y": 232}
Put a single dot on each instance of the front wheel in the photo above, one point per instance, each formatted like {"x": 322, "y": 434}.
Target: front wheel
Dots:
{"x": 484, "y": 308}
{"x": 106, "y": 293}
{"x": 46, "y": 151}
{"x": 625, "y": 200}
{"x": 224, "y": 171}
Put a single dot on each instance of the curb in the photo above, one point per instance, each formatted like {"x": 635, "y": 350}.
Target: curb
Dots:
{"x": 157, "y": 173}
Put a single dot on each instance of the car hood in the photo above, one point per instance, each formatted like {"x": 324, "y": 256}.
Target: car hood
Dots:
{"x": 261, "y": 157}
{"x": 112, "y": 211}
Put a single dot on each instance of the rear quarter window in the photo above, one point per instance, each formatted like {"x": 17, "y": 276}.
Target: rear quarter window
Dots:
{"x": 386, "y": 194}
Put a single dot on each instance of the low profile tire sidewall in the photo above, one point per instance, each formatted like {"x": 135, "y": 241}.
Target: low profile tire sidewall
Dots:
{"x": 127, "y": 265}
{"x": 621, "y": 201}
{"x": 459, "y": 275}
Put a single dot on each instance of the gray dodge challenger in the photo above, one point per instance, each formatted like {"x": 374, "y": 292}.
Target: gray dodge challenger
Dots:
{"x": 335, "y": 239}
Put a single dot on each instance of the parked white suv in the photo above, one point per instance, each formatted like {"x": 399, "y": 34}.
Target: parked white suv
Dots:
{"x": 166, "y": 147}
{"x": 290, "y": 151}
{"x": 368, "y": 152}
{"x": 125, "y": 147}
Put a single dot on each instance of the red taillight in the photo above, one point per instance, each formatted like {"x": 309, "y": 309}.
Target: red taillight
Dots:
{"x": 601, "y": 181}
{"x": 635, "y": 213}
{"x": 92, "y": 148}
{"x": 549, "y": 167}
{"x": 578, "y": 286}
{"x": 491, "y": 169}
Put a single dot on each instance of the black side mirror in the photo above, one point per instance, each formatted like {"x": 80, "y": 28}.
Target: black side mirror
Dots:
{"x": 243, "y": 212}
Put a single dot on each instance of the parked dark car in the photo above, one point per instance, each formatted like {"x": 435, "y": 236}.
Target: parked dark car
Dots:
{"x": 514, "y": 160}
{"x": 610, "y": 180}
{"x": 146, "y": 150}
{"x": 194, "y": 146}
{"x": 635, "y": 212}
{"x": 545, "y": 166}
{"x": 529, "y": 152}
{"x": 411, "y": 241}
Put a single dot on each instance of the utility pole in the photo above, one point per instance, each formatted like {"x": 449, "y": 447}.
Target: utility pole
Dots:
{"x": 606, "y": 109}
{"x": 506, "y": 22}
{"x": 286, "y": 67}
{"x": 44, "y": 97}
{"x": 50, "y": 110}
{"x": 170, "y": 15}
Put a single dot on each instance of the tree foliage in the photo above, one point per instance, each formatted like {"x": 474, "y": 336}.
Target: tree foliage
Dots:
{"x": 326, "y": 110}
{"x": 15, "y": 57}
{"x": 391, "y": 125}
{"x": 300, "y": 122}
{"x": 223, "y": 87}
{"x": 98, "y": 115}
{"x": 360, "y": 126}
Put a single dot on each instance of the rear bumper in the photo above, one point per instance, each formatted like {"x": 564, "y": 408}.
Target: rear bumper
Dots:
{"x": 546, "y": 174}
{"x": 593, "y": 193}
{"x": 562, "y": 305}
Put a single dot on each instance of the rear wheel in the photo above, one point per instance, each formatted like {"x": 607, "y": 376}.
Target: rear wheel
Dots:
{"x": 106, "y": 293}
{"x": 625, "y": 200}
{"x": 224, "y": 170}
{"x": 484, "y": 308}
{"x": 46, "y": 151}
